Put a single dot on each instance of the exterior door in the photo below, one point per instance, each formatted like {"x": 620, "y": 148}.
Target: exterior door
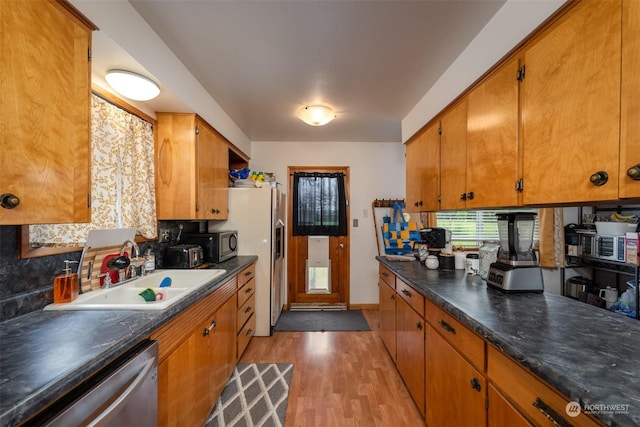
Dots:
{"x": 297, "y": 253}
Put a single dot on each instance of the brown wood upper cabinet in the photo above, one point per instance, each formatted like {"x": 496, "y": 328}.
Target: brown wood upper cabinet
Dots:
{"x": 192, "y": 162}
{"x": 571, "y": 107}
{"x": 45, "y": 172}
{"x": 453, "y": 157}
{"x": 630, "y": 102}
{"x": 423, "y": 170}
{"x": 492, "y": 140}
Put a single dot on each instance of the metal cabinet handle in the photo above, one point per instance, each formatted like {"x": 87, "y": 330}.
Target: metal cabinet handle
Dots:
{"x": 475, "y": 384}
{"x": 407, "y": 293}
{"x": 634, "y": 172}
{"x": 599, "y": 178}
{"x": 393, "y": 297}
{"x": 550, "y": 413}
{"x": 248, "y": 290}
{"x": 9, "y": 201}
{"x": 249, "y": 331}
{"x": 208, "y": 330}
{"x": 248, "y": 309}
{"x": 419, "y": 325}
{"x": 463, "y": 196}
{"x": 385, "y": 274}
{"x": 447, "y": 327}
{"x": 420, "y": 203}
{"x": 248, "y": 273}
{"x": 470, "y": 195}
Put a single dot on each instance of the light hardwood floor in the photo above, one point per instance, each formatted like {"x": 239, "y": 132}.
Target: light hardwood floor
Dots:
{"x": 339, "y": 378}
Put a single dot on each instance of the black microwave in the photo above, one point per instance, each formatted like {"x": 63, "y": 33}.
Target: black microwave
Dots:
{"x": 217, "y": 246}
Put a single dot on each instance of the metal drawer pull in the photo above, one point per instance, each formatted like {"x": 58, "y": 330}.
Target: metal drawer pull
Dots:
{"x": 550, "y": 413}
{"x": 248, "y": 290}
{"x": 407, "y": 293}
{"x": 447, "y": 327}
{"x": 475, "y": 384}
{"x": 208, "y": 330}
{"x": 249, "y": 331}
{"x": 419, "y": 325}
{"x": 248, "y": 273}
{"x": 385, "y": 274}
{"x": 248, "y": 309}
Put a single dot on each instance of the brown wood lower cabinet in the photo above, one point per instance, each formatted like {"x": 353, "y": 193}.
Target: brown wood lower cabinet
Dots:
{"x": 455, "y": 390}
{"x": 387, "y": 317}
{"x": 197, "y": 354}
{"x": 410, "y": 350}
{"x": 503, "y": 413}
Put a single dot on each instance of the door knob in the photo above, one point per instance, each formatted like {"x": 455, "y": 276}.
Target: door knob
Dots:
{"x": 341, "y": 245}
{"x": 599, "y": 178}
{"x": 634, "y": 172}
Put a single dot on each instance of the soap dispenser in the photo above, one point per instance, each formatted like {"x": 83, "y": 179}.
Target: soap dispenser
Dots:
{"x": 65, "y": 285}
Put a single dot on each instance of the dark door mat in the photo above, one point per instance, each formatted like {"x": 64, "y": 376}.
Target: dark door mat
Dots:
{"x": 307, "y": 321}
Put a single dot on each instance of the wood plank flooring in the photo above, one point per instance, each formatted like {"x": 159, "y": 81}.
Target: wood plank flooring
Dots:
{"x": 339, "y": 378}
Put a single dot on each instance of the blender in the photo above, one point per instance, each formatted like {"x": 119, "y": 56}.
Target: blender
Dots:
{"x": 516, "y": 268}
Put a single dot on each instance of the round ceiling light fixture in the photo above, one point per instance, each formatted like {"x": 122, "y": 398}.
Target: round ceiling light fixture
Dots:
{"x": 132, "y": 85}
{"x": 316, "y": 115}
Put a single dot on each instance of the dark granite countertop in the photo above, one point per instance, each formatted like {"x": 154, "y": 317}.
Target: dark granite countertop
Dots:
{"x": 45, "y": 354}
{"x": 589, "y": 354}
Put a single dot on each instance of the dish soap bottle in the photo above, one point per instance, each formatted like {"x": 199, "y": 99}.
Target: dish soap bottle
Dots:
{"x": 65, "y": 286}
{"x": 150, "y": 263}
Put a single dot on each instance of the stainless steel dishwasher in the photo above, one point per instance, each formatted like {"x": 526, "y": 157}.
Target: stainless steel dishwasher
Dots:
{"x": 125, "y": 393}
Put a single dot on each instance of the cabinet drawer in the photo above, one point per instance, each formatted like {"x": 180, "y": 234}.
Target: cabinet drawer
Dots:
{"x": 246, "y": 292}
{"x": 461, "y": 338}
{"x": 534, "y": 398}
{"x": 386, "y": 275}
{"x": 245, "y": 275}
{"x": 246, "y": 311}
{"x": 411, "y": 296}
{"x": 244, "y": 336}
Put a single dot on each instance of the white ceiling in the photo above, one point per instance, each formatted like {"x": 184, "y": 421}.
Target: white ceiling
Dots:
{"x": 262, "y": 60}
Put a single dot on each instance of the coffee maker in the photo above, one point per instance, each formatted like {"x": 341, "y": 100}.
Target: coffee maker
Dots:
{"x": 516, "y": 268}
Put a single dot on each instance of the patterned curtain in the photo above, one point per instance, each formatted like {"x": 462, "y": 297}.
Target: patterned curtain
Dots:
{"x": 122, "y": 179}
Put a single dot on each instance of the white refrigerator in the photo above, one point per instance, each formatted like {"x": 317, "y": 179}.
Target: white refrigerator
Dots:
{"x": 258, "y": 214}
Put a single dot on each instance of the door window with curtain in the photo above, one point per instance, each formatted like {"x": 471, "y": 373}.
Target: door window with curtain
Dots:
{"x": 319, "y": 204}
{"x": 122, "y": 179}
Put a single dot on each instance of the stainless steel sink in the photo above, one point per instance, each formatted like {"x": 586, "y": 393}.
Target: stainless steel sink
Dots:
{"x": 126, "y": 296}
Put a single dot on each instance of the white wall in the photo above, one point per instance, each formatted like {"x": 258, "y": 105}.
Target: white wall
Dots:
{"x": 377, "y": 171}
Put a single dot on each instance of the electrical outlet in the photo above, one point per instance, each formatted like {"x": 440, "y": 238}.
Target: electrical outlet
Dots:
{"x": 355, "y": 222}
{"x": 165, "y": 235}
{"x": 365, "y": 213}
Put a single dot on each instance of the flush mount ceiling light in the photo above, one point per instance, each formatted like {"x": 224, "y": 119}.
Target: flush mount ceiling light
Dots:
{"x": 316, "y": 115}
{"x": 132, "y": 85}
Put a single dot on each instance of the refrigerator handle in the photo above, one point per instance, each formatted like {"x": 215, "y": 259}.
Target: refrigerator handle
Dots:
{"x": 280, "y": 222}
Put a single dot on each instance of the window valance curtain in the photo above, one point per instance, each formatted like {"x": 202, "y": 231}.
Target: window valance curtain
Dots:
{"x": 319, "y": 204}
{"x": 122, "y": 179}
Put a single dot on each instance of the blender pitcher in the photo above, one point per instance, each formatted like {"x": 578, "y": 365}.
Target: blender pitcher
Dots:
{"x": 515, "y": 231}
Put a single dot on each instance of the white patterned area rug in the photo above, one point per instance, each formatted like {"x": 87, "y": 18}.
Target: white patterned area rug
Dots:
{"x": 256, "y": 395}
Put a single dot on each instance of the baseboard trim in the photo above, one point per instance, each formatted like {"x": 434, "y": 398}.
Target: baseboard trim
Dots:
{"x": 363, "y": 307}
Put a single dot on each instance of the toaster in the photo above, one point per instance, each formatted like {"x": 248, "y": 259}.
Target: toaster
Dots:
{"x": 183, "y": 256}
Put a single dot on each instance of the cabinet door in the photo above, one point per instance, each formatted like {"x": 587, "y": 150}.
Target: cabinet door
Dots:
{"x": 388, "y": 317}
{"x": 410, "y": 351}
{"x": 176, "y": 166}
{"x": 453, "y": 158}
{"x": 630, "y": 126}
{"x": 414, "y": 165}
{"x": 455, "y": 390}
{"x": 206, "y": 174}
{"x": 571, "y": 107}
{"x": 220, "y": 167}
{"x": 492, "y": 140}
{"x": 45, "y": 114}
{"x": 183, "y": 389}
{"x": 222, "y": 347}
{"x": 502, "y": 413}
{"x": 423, "y": 170}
